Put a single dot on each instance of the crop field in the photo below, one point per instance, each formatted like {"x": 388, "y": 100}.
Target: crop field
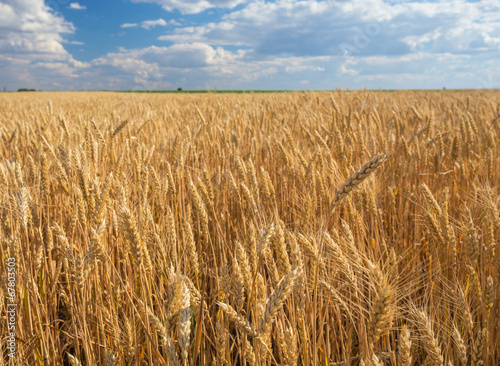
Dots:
{"x": 316, "y": 228}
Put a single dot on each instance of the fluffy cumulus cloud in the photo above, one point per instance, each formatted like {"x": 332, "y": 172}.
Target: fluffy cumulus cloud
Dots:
{"x": 362, "y": 27}
{"x": 76, "y": 6}
{"x": 318, "y": 44}
{"x": 148, "y": 24}
{"x": 196, "y": 65}
{"x": 31, "y": 46}
{"x": 163, "y": 67}
{"x": 192, "y": 6}
{"x": 411, "y": 34}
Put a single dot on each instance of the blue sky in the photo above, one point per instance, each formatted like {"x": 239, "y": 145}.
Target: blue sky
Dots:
{"x": 240, "y": 44}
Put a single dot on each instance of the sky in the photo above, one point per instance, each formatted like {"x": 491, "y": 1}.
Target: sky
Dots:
{"x": 241, "y": 44}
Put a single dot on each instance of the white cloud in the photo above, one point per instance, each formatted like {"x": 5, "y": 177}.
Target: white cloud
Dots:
{"x": 195, "y": 64}
{"x": 31, "y": 45}
{"x": 148, "y": 24}
{"x": 299, "y": 68}
{"x": 178, "y": 56}
{"x": 29, "y": 29}
{"x": 129, "y": 25}
{"x": 76, "y": 6}
{"x": 362, "y": 27}
{"x": 192, "y": 6}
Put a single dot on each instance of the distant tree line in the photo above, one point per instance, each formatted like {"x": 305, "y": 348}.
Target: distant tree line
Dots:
{"x": 25, "y": 90}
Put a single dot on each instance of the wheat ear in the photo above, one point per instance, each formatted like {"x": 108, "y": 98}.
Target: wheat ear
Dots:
{"x": 73, "y": 360}
{"x": 276, "y": 299}
{"x": 404, "y": 355}
{"x": 381, "y": 315}
{"x": 237, "y": 319}
{"x": 358, "y": 178}
{"x": 430, "y": 343}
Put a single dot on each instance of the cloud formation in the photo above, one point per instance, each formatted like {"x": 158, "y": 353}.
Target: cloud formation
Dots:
{"x": 369, "y": 27}
{"x": 76, "y": 6}
{"x": 285, "y": 44}
{"x": 30, "y": 31}
{"x": 192, "y": 6}
{"x": 148, "y": 24}
{"x": 31, "y": 45}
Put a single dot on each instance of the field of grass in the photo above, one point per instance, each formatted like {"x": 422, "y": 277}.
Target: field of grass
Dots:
{"x": 309, "y": 228}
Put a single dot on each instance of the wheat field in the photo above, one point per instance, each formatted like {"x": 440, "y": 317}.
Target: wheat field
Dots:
{"x": 303, "y": 228}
